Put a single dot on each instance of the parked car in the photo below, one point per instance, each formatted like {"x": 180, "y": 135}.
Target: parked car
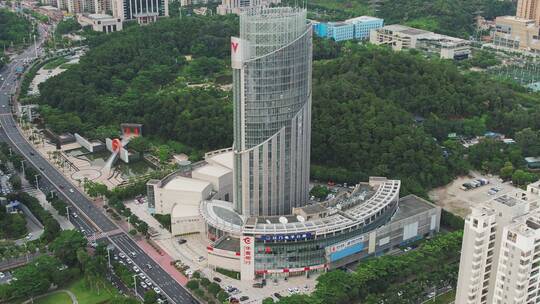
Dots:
{"x": 181, "y": 241}
{"x": 217, "y": 279}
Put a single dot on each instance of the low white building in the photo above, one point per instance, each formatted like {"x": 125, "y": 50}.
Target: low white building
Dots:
{"x": 100, "y": 22}
{"x": 404, "y": 37}
{"x": 181, "y": 193}
{"x": 220, "y": 178}
{"x": 185, "y": 219}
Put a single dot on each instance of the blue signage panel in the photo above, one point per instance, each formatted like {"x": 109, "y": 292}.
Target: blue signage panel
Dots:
{"x": 346, "y": 252}
{"x": 286, "y": 237}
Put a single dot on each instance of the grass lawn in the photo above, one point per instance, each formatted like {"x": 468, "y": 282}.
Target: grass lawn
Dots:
{"x": 56, "y": 298}
{"x": 446, "y": 298}
{"x": 85, "y": 295}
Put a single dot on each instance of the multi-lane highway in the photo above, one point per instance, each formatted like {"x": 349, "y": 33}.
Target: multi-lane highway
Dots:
{"x": 52, "y": 179}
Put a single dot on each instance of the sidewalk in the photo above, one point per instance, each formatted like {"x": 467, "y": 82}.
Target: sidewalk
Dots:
{"x": 63, "y": 221}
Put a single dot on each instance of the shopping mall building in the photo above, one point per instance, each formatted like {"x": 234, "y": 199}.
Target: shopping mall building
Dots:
{"x": 251, "y": 202}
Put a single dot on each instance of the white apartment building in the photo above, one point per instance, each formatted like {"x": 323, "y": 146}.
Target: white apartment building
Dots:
{"x": 497, "y": 252}
{"x": 236, "y": 6}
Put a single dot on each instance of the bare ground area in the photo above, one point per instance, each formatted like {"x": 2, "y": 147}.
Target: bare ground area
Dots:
{"x": 457, "y": 201}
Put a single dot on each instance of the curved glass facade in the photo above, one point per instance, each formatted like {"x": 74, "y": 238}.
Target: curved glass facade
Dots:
{"x": 272, "y": 111}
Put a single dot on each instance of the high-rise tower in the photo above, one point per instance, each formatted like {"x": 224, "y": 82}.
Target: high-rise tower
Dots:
{"x": 271, "y": 63}
{"x": 529, "y": 9}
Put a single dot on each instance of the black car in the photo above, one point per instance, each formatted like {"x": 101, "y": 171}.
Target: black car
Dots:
{"x": 181, "y": 241}
{"x": 244, "y": 298}
{"x": 277, "y": 295}
{"x": 217, "y": 279}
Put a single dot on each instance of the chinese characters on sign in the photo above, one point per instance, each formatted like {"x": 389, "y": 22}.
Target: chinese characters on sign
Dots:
{"x": 248, "y": 253}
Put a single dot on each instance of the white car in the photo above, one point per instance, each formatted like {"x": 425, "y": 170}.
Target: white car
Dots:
{"x": 71, "y": 190}
{"x": 2, "y": 275}
{"x": 122, "y": 255}
{"x": 157, "y": 290}
{"x": 136, "y": 269}
{"x": 147, "y": 281}
{"x": 143, "y": 285}
{"x": 142, "y": 276}
{"x": 128, "y": 261}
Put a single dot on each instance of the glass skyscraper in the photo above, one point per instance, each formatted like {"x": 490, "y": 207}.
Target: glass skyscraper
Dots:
{"x": 271, "y": 63}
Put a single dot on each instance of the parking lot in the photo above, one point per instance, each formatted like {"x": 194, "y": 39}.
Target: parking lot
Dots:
{"x": 458, "y": 201}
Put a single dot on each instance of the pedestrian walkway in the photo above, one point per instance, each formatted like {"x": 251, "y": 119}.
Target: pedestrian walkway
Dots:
{"x": 164, "y": 260}
{"x": 62, "y": 220}
{"x": 68, "y": 292}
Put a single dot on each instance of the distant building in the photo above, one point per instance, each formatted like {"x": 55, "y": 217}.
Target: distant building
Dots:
{"x": 235, "y": 6}
{"x": 404, "y": 37}
{"x": 529, "y": 9}
{"x": 196, "y": 2}
{"x": 355, "y": 28}
{"x": 533, "y": 162}
{"x": 62, "y": 4}
{"x": 101, "y": 22}
{"x": 517, "y": 33}
{"x": 52, "y": 12}
{"x": 144, "y": 12}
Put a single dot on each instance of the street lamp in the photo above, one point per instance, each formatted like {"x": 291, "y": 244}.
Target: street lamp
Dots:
{"x": 37, "y": 181}
{"x": 109, "y": 256}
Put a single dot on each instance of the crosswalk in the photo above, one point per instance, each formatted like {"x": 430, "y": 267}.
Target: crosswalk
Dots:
{"x": 30, "y": 190}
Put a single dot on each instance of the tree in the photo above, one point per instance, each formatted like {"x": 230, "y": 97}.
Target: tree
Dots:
{"x": 222, "y": 296}
{"x": 320, "y": 192}
{"x": 150, "y": 297}
{"x": 205, "y": 282}
{"x": 507, "y": 171}
{"x": 95, "y": 189}
{"x": 214, "y": 288}
{"x": 66, "y": 245}
{"x": 193, "y": 284}
{"x": 522, "y": 178}
{"x": 15, "y": 181}
{"x": 139, "y": 144}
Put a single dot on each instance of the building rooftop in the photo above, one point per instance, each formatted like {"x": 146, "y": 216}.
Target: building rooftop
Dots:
{"x": 532, "y": 159}
{"x": 313, "y": 209}
{"x": 100, "y": 16}
{"x": 361, "y": 209}
{"x": 507, "y": 200}
{"x": 405, "y": 29}
{"x": 410, "y": 205}
{"x": 180, "y": 183}
{"x": 212, "y": 170}
{"x": 363, "y": 19}
{"x": 224, "y": 159}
